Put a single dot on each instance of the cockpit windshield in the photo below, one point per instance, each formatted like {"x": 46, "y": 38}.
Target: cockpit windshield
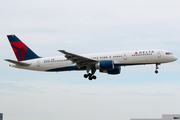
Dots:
{"x": 169, "y": 53}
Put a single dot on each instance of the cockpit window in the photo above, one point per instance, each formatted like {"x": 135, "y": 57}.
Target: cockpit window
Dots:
{"x": 169, "y": 53}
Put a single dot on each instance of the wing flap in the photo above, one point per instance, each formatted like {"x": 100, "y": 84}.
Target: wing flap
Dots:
{"x": 17, "y": 62}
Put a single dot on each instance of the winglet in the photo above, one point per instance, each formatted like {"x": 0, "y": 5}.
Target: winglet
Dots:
{"x": 61, "y": 50}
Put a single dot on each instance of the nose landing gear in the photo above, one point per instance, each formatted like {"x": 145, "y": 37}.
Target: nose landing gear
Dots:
{"x": 157, "y": 67}
{"x": 91, "y": 75}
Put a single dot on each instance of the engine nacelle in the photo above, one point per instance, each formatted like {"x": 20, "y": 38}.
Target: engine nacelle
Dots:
{"x": 105, "y": 65}
{"x": 116, "y": 70}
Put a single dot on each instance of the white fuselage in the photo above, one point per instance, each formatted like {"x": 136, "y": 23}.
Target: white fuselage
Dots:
{"x": 138, "y": 57}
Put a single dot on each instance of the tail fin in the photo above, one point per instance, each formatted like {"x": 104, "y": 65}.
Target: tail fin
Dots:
{"x": 21, "y": 51}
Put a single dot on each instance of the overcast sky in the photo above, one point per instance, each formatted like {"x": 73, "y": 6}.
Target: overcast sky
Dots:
{"x": 90, "y": 26}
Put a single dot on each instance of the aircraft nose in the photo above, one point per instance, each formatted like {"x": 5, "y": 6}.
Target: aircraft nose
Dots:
{"x": 175, "y": 58}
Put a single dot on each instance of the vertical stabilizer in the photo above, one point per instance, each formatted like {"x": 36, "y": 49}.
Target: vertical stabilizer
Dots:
{"x": 21, "y": 51}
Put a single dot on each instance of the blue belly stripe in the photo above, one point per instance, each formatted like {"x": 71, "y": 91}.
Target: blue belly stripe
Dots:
{"x": 69, "y": 68}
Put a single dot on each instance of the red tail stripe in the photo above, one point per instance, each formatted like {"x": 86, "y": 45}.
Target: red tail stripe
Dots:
{"x": 23, "y": 51}
{"x": 15, "y": 50}
{"x": 17, "y": 55}
{"x": 18, "y": 44}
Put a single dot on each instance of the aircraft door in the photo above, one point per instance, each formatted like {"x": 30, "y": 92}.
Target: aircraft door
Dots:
{"x": 38, "y": 63}
{"x": 124, "y": 56}
{"x": 159, "y": 54}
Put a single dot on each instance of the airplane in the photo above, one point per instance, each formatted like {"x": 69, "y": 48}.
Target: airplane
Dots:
{"x": 109, "y": 63}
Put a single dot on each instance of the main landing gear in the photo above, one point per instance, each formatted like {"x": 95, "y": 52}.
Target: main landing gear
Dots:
{"x": 157, "y": 67}
{"x": 91, "y": 75}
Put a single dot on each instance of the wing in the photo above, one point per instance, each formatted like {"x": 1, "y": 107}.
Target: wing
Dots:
{"x": 80, "y": 61}
{"x": 17, "y": 62}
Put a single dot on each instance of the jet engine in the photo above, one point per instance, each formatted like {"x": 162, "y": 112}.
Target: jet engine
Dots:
{"x": 105, "y": 65}
{"x": 116, "y": 70}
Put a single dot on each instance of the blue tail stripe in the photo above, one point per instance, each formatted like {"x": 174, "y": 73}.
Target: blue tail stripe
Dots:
{"x": 30, "y": 55}
{"x": 12, "y": 38}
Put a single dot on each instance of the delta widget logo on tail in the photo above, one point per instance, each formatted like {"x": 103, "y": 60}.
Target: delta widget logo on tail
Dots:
{"x": 21, "y": 51}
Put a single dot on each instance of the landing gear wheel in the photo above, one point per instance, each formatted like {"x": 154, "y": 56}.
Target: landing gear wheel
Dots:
{"x": 85, "y": 75}
{"x": 156, "y": 72}
{"x": 90, "y": 78}
{"x": 94, "y": 77}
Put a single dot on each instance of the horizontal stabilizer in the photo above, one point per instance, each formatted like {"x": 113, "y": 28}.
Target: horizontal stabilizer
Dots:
{"x": 17, "y": 62}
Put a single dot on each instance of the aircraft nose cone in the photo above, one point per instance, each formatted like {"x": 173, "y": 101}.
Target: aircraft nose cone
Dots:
{"x": 175, "y": 58}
